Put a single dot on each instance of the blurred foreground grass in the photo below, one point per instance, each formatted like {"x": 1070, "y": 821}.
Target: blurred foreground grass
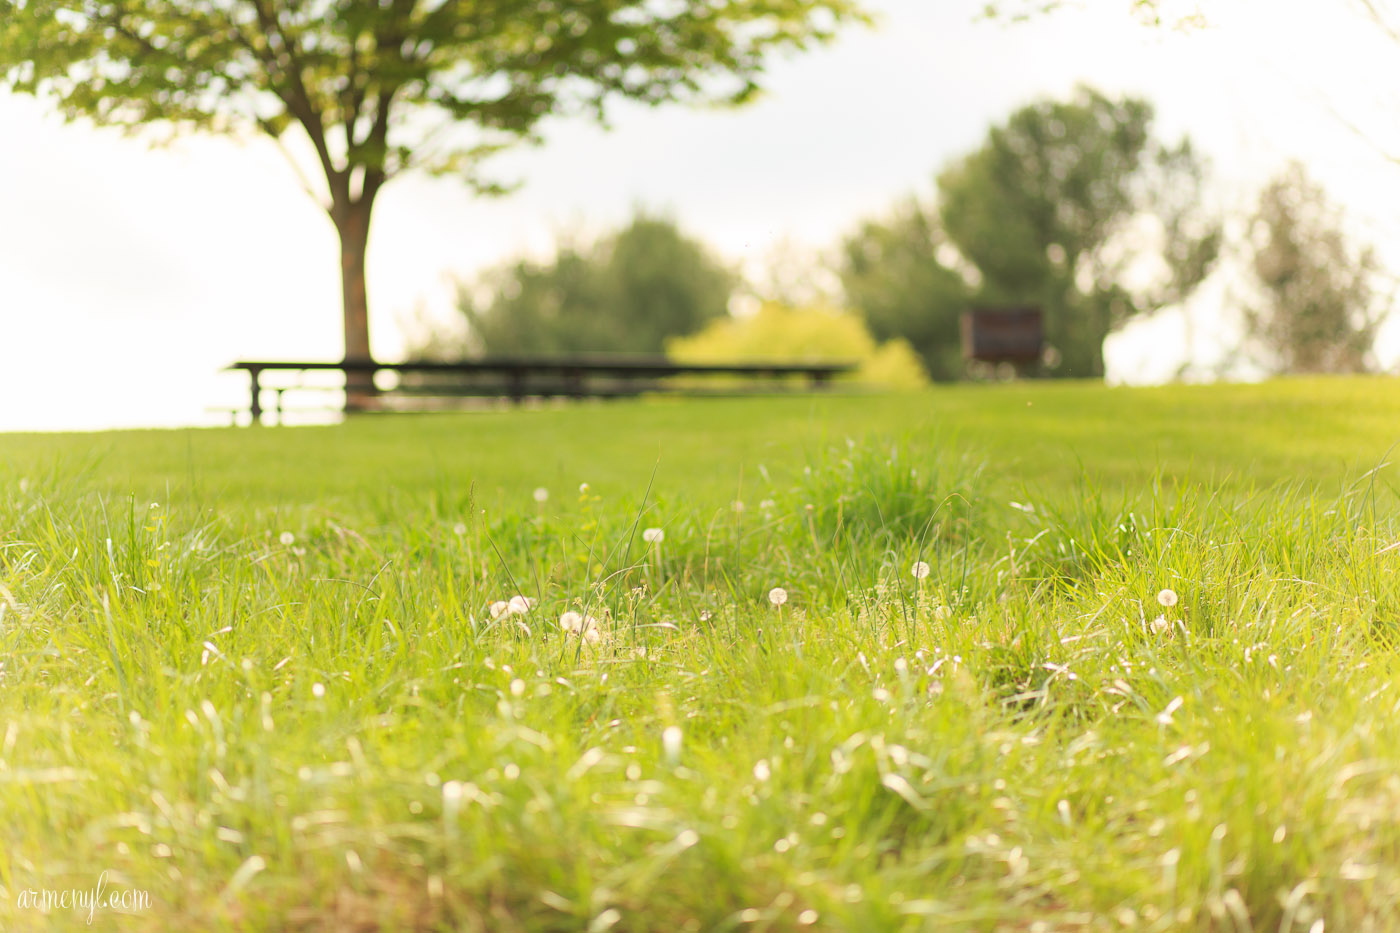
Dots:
{"x": 259, "y": 674}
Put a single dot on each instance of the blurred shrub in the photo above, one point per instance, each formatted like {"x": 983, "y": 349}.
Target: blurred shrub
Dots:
{"x": 624, "y": 293}
{"x": 781, "y": 334}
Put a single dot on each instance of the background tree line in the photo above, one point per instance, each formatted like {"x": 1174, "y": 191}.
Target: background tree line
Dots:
{"x": 1070, "y": 205}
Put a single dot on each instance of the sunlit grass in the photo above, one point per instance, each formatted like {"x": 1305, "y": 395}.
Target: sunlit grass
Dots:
{"x": 276, "y": 708}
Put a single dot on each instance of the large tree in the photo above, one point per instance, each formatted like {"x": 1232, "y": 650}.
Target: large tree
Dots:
{"x": 1075, "y": 207}
{"x": 380, "y": 87}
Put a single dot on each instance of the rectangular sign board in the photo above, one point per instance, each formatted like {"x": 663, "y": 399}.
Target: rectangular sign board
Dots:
{"x": 1003, "y": 335}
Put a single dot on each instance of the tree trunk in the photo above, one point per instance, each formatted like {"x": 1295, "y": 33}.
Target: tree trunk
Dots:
{"x": 352, "y": 223}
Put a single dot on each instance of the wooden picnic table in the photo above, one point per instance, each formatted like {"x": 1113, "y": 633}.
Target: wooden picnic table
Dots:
{"x": 520, "y": 377}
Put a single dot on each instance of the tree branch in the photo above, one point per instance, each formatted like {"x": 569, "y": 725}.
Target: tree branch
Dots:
{"x": 300, "y": 104}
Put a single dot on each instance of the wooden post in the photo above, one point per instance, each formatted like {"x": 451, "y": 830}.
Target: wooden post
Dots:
{"x": 255, "y": 407}
{"x": 515, "y": 382}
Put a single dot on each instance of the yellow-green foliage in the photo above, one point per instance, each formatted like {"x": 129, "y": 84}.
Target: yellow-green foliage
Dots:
{"x": 781, "y": 333}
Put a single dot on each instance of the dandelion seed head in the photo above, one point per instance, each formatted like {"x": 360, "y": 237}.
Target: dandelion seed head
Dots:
{"x": 1167, "y": 598}
{"x": 459, "y": 529}
{"x": 571, "y": 622}
{"x": 287, "y": 538}
{"x": 762, "y": 771}
{"x": 671, "y": 738}
{"x": 517, "y": 687}
{"x": 921, "y": 570}
{"x": 777, "y": 596}
{"x": 318, "y": 690}
{"x": 499, "y": 608}
{"x": 592, "y": 635}
{"x": 653, "y": 536}
{"x": 519, "y": 605}
{"x": 1160, "y": 625}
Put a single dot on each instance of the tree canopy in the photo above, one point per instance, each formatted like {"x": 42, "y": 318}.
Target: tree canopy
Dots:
{"x": 628, "y": 292}
{"x": 371, "y": 82}
{"x": 1319, "y": 310}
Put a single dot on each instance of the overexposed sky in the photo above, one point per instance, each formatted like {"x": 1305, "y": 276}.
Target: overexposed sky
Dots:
{"x": 129, "y": 276}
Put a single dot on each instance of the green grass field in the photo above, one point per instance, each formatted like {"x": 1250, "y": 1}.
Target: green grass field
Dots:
{"x": 256, "y": 673}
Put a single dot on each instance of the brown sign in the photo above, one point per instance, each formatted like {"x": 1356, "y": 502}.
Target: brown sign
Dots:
{"x": 1003, "y": 335}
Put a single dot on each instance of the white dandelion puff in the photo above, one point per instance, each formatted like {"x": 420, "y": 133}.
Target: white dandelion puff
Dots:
{"x": 761, "y": 770}
{"x": 519, "y": 605}
{"x": 459, "y": 529}
{"x": 318, "y": 690}
{"x": 571, "y": 622}
{"x": 777, "y": 596}
{"x": 671, "y": 738}
{"x": 452, "y": 794}
{"x": 499, "y": 608}
{"x": 591, "y": 634}
{"x": 1167, "y": 598}
{"x": 1160, "y": 625}
{"x": 653, "y": 536}
{"x": 541, "y": 495}
{"x": 287, "y": 538}
{"x": 921, "y": 570}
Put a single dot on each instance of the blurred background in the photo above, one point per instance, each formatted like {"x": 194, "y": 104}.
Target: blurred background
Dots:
{"x": 1211, "y": 197}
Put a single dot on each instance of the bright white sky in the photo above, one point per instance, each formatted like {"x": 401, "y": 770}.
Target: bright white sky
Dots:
{"x": 130, "y": 276}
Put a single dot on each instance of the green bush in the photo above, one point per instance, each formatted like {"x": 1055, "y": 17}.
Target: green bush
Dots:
{"x": 779, "y": 333}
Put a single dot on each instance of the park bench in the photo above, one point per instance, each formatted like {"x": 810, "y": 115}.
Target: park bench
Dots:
{"x": 426, "y": 385}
